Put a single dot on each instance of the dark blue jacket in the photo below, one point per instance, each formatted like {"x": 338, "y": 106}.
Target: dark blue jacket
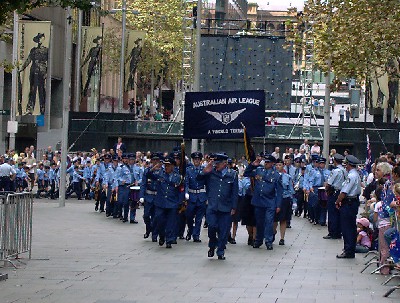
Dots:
{"x": 267, "y": 186}
{"x": 167, "y": 188}
{"x": 222, "y": 190}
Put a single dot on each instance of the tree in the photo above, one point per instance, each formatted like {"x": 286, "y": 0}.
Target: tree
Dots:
{"x": 23, "y": 6}
{"x": 163, "y": 45}
{"x": 356, "y": 36}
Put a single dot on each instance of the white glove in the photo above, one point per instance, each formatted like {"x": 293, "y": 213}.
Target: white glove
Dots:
{"x": 141, "y": 200}
{"x": 186, "y": 196}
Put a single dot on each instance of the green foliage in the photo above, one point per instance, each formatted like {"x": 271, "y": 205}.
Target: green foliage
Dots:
{"x": 23, "y": 6}
{"x": 163, "y": 45}
{"x": 356, "y": 35}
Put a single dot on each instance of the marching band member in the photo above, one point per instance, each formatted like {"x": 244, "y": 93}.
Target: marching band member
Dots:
{"x": 195, "y": 194}
{"x": 222, "y": 192}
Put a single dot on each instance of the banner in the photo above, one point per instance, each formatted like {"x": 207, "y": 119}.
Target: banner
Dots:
{"x": 133, "y": 49}
{"x": 92, "y": 41}
{"x": 33, "y": 55}
{"x": 221, "y": 114}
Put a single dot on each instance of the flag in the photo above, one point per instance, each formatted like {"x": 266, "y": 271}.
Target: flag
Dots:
{"x": 248, "y": 148}
{"x": 368, "y": 160}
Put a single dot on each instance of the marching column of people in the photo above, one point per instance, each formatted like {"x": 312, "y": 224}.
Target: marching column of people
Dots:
{"x": 178, "y": 194}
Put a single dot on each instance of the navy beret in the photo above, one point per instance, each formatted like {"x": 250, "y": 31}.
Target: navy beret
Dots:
{"x": 350, "y": 159}
{"x": 220, "y": 157}
{"x": 169, "y": 160}
{"x": 196, "y": 155}
{"x": 269, "y": 159}
{"x": 338, "y": 157}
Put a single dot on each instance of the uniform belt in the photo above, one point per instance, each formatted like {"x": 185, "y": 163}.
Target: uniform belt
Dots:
{"x": 352, "y": 197}
{"x": 197, "y": 191}
{"x": 151, "y": 192}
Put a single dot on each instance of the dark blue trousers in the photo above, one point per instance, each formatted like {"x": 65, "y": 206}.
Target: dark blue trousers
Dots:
{"x": 265, "y": 224}
{"x": 195, "y": 214}
{"x": 348, "y": 216}
{"x": 165, "y": 219}
{"x": 219, "y": 225}
{"x": 334, "y": 228}
{"x": 148, "y": 218}
{"x": 123, "y": 201}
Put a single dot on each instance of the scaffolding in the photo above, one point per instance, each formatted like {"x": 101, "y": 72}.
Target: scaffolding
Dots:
{"x": 307, "y": 115}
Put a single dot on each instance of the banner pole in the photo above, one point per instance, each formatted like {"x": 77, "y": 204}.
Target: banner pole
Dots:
{"x": 196, "y": 84}
{"x": 66, "y": 106}
{"x": 14, "y": 96}
{"x": 78, "y": 55}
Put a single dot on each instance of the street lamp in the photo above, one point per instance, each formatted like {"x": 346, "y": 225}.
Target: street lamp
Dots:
{"x": 124, "y": 10}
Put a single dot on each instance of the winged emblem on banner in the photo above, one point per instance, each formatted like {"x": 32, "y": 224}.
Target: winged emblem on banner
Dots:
{"x": 226, "y": 118}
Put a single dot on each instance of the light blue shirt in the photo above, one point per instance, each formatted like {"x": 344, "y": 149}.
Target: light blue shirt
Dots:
{"x": 287, "y": 184}
{"x": 352, "y": 184}
{"x": 337, "y": 177}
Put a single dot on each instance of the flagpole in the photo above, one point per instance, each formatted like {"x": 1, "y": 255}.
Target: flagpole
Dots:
{"x": 14, "y": 95}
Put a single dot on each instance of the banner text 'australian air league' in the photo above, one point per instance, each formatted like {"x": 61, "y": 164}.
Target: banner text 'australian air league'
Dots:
{"x": 221, "y": 114}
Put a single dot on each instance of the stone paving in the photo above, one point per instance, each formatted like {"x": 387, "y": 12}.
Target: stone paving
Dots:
{"x": 80, "y": 256}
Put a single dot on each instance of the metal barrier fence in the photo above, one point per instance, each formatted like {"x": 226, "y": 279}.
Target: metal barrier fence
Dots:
{"x": 15, "y": 225}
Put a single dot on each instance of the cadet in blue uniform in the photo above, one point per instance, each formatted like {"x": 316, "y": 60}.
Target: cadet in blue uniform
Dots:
{"x": 222, "y": 192}
{"x": 181, "y": 215}
{"x": 166, "y": 201}
{"x": 298, "y": 187}
{"x": 76, "y": 184}
{"x": 348, "y": 203}
{"x": 312, "y": 181}
{"x": 87, "y": 174}
{"x": 322, "y": 196}
{"x": 148, "y": 192}
{"x": 195, "y": 194}
{"x": 109, "y": 176}
{"x": 285, "y": 213}
{"x": 267, "y": 198}
{"x": 136, "y": 178}
{"x": 333, "y": 188}
{"x": 123, "y": 180}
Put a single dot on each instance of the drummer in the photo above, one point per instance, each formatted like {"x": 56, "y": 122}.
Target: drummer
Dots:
{"x": 136, "y": 177}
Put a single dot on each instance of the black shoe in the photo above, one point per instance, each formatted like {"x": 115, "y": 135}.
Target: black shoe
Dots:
{"x": 327, "y": 237}
{"x": 107, "y": 215}
{"x": 188, "y": 237}
{"x": 133, "y": 222}
{"x": 250, "y": 241}
{"x": 161, "y": 242}
{"x": 102, "y": 210}
{"x": 343, "y": 255}
{"x": 221, "y": 257}
{"x": 181, "y": 237}
{"x": 174, "y": 242}
{"x": 289, "y": 226}
{"x": 154, "y": 240}
{"x": 232, "y": 241}
{"x": 96, "y": 208}
{"x": 205, "y": 225}
{"x": 211, "y": 252}
{"x": 197, "y": 240}
{"x": 146, "y": 235}
{"x": 255, "y": 245}
{"x": 323, "y": 224}
{"x": 281, "y": 242}
{"x": 168, "y": 245}
{"x": 269, "y": 247}
{"x": 124, "y": 220}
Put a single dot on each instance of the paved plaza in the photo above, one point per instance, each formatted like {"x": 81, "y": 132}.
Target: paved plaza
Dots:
{"x": 80, "y": 256}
